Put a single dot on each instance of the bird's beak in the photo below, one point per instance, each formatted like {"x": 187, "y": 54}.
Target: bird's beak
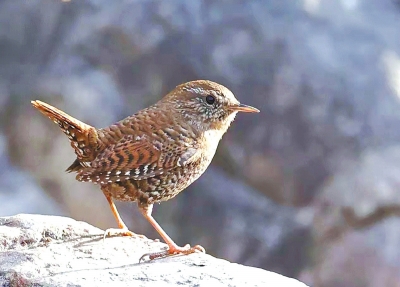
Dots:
{"x": 245, "y": 109}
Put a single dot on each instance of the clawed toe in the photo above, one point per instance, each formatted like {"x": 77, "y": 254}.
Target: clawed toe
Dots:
{"x": 120, "y": 232}
{"x": 199, "y": 248}
{"x": 172, "y": 250}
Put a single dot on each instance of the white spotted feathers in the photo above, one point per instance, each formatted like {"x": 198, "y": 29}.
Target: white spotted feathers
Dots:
{"x": 134, "y": 158}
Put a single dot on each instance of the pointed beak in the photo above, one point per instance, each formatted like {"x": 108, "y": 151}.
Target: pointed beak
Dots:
{"x": 245, "y": 109}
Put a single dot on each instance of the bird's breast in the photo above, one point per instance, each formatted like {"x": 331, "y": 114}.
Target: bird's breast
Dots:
{"x": 211, "y": 140}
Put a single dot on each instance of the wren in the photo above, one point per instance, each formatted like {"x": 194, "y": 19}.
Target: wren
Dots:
{"x": 154, "y": 154}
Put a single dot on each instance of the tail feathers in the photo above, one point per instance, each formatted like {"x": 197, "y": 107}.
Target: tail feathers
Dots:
{"x": 83, "y": 137}
{"x": 76, "y": 166}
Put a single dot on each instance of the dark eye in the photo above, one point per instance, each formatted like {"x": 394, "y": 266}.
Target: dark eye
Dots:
{"x": 210, "y": 99}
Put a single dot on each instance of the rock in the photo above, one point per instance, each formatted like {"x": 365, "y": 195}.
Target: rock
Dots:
{"x": 39, "y": 250}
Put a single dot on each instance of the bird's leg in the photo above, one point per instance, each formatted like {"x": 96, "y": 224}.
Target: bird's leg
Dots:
{"x": 173, "y": 249}
{"x": 123, "y": 229}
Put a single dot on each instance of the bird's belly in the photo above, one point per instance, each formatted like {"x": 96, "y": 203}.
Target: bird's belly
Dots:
{"x": 175, "y": 181}
{"x": 159, "y": 188}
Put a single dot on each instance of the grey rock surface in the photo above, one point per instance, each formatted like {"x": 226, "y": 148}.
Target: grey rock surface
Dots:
{"x": 40, "y": 250}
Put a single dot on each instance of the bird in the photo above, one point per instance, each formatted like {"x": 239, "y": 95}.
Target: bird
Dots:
{"x": 154, "y": 154}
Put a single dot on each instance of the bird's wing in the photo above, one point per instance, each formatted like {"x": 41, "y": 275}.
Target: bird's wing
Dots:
{"x": 136, "y": 159}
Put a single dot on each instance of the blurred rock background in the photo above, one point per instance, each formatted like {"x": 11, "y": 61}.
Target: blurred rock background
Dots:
{"x": 310, "y": 187}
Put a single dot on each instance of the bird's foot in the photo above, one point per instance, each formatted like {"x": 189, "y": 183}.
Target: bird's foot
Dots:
{"x": 172, "y": 250}
{"x": 120, "y": 232}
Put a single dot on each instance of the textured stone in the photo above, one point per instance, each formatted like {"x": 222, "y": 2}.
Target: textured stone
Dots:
{"x": 40, "y": 250}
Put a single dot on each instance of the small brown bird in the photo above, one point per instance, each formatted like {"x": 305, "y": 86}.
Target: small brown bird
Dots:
{"x": 154, "y": 154}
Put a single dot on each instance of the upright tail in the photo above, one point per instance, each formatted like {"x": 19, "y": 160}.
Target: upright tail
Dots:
{"x": 83, "y": 137}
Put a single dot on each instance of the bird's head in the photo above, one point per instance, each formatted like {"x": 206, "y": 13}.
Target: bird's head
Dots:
{"x": 206, "y": 105}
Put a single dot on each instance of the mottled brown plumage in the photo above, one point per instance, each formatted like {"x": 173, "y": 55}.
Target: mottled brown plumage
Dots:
{"x": 154, "y": 154}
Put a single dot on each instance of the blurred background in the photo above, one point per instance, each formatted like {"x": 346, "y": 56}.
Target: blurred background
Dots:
{"x": 310, "y": 187}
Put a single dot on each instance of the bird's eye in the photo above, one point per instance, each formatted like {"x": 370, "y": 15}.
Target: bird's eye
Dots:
{"x": 210, "y": 99}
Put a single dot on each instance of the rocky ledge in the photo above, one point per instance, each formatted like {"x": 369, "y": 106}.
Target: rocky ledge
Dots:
{"x": 38, "y": 250}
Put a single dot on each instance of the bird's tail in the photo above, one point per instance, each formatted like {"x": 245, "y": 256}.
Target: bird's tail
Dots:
{"x": 83, "y": 137}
